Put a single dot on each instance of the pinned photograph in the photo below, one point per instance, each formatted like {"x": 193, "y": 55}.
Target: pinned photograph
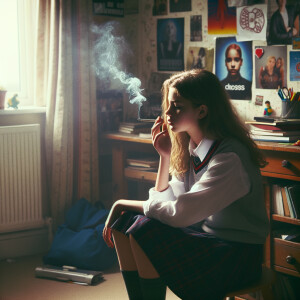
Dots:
{"x": 200, "y": 58}
{"x": 270, "y": 67}
{"x": 252, "y": 22}
{"x": 196, "y": 28}
{"x": 234, "y": 67}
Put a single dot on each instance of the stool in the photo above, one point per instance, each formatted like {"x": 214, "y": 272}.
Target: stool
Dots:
{"x": 264, "y": 284}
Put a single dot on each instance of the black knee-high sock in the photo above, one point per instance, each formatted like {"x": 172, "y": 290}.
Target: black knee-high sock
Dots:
{"x": 153, "y": 288}
{"x": 133, "y": 286}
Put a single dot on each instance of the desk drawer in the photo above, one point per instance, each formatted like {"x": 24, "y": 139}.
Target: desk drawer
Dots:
{"x": 282, "y": 163}
{"x": 287, "y": 255}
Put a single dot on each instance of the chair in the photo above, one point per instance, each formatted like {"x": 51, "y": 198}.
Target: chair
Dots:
{"x": 264, "y": 284}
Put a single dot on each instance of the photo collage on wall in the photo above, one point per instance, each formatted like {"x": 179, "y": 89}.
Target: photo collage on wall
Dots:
{"x": 235, "y": 23}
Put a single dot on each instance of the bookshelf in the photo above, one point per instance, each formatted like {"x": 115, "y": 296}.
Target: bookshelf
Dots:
{"x": 283, "y": 164}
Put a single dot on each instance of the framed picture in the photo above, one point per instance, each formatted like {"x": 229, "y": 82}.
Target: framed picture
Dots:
{"x": 160, "y": 7}
{"x": 180, "y": 5}
{"x": 170, "y": 44}
{"x": 109, "y": 8}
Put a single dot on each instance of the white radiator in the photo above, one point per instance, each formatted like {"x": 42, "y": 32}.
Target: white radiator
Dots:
{"x": 20, "y": 178}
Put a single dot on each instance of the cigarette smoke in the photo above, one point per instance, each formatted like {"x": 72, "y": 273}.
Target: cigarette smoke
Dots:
{"x": 109, "y": 48}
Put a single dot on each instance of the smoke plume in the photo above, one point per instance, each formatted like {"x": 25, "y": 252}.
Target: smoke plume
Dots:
{"x": 109, "y": 49}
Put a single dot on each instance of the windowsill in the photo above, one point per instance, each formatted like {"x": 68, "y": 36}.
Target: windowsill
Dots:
{"x": 23, "y": 110}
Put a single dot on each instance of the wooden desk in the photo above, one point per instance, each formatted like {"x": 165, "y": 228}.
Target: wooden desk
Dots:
{"x": 283, "y": 164}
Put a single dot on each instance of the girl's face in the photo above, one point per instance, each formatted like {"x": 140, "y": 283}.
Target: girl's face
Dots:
{"x": 271, "y": 63}
{"x": 181, "y": 116}
{"x": 233, "y": 62}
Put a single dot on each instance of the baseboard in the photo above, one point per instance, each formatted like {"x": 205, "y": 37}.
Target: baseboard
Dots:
{"x": 24, "y": 243}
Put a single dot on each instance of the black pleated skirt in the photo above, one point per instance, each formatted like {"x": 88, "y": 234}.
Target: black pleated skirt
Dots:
{"x": 193, "y": 264}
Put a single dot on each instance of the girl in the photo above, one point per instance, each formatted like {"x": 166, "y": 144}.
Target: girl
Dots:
{"x": 202, "y": 233}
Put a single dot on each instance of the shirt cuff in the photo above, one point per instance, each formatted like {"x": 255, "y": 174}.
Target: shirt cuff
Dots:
{"x": 156, "y": 197}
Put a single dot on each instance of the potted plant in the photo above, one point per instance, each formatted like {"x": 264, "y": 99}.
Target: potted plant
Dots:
{"x": 2, "y": 96}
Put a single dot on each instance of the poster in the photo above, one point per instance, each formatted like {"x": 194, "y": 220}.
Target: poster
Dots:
{"x": 196, "y": 28}
{"x": 244, "y": 2}
{"x": 280, "y": 33}
{"x": 160, "y": 7}
{"x": 234, "y": 67}
{"x": 221, "y": 18}
{"x": 294, "y": 66}
{"x": 180, "y": 5}
{"x": 270, "y": 67}
{"x": 170, "y": 44}
{"x": 200, "y": 58}
{"x": 252, "y": 23}
{"x": 109, "y": 8}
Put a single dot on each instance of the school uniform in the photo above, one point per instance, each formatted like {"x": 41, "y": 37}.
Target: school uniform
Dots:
{"x": 205, "y": 233}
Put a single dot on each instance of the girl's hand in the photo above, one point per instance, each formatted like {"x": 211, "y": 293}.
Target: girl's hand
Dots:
{"x": 113, "y": 215}
{"x": 160, "y": 138}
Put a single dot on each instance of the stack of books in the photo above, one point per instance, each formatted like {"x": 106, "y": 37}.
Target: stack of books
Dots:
{"x": 286, "y": 200}
{"x": 275, "y": 129}
{"x": 143, "y": 164}
{"x": 135, "y": 127}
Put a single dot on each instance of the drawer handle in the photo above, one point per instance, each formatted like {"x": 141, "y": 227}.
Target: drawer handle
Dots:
{"x": 290, "y": 260}
{"x": 286, "y": 164}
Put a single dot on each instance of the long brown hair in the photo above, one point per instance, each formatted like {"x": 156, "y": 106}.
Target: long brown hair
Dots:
{"x": 202, "y": 87}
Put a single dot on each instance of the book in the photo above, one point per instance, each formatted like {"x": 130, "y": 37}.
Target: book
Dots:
{"x": 271, "y": 138}
{"x": 274, "y": 121}
{"x": 275, "y": 132}
{"x": 147, "y": 162}
{"x": 285, "y": 203}
{"x": 134, "y": 130}
{"x": 133, "y": 125}
{"x": 277, "y": 200}
{"x": 280, "y": 124}
{"x": 294, "y": 193}
{"x": 291, "y": 207}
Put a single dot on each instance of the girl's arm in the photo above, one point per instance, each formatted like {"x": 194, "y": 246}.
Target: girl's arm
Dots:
{"x": 115, "y": 212}
{"x": 162, "y": 143}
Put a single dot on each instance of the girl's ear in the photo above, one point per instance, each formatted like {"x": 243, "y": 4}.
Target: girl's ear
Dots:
{"x": 202, "y": 111}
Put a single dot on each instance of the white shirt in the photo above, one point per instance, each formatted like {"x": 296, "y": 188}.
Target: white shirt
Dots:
{"x": 223, "y": 181}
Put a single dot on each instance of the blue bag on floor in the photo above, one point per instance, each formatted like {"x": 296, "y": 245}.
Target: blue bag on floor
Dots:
{"x": 79, "y": 242}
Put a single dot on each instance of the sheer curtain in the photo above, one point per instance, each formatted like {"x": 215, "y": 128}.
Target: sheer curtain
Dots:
{"x": 64, "y": 82}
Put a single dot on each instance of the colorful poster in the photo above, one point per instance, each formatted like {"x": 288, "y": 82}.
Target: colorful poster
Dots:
{"x": 252, "y": 22}
{"x": 270, "y": 67}
{"x": 170, "y": 44}
{"x": 233, "y": 66}
{"x": 200, "y": 58}
{"x": 221, "y": 18}
{"x": 294, "y": 66}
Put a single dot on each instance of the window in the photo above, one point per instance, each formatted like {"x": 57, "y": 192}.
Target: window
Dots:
{"x": 17, "y": 48}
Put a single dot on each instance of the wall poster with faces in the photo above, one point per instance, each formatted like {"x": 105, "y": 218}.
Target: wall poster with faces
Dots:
{"x": 170, "y": 44}
{"x": 233, "y": 66}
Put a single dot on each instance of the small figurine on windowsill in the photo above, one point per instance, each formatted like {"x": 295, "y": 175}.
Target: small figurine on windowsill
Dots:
{"x": 13, "y": 102}
{"x": 268, "y": 110}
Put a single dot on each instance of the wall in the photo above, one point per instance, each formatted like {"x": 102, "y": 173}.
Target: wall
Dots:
{"x": 142, "y": 36}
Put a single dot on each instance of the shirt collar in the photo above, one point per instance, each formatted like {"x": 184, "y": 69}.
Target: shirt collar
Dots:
{"x": 202, "y": 149}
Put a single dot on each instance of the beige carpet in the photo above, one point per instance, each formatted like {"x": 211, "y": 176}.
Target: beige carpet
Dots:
{"x": 18, "y": 282}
